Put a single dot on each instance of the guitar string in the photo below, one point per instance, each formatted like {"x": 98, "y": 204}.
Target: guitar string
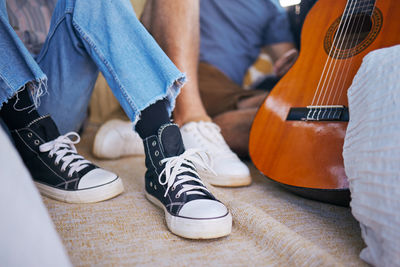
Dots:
{"x": 366, "y": 4}
{"x": 335, "y": 61}
{"x": 326, "y": 64}
{"x": 338, "y": 37}
{"x": 347, "y": 71}
{"x": 360, "y": 8}
{"x": 333, "y": 84}
{"x": 328, "y": 58}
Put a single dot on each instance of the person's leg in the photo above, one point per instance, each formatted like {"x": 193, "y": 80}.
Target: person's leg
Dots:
{"x": 236, "y": 124}
{"x": 231, "y": 107}
{"x": 235, "y": 128}
{"x": 146, "y": 83}
{"x": 105, "y": 35}
{"x": 17, "y": 66}
{"x": 19, "y": 110}
{"x": 252, "y": 101}
{"x": 56, "y": 167}
{"x": 152, "y": 118}
{"x": 175, "y": 26}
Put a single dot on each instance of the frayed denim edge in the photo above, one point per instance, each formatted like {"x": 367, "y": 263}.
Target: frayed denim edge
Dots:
{"x": 172, "y": 91}
{"x": 38, "y": 87}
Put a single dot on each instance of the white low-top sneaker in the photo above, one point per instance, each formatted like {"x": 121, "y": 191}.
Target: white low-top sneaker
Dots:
{"x": 116, "y": 139}
{"x": 229, "y": 170}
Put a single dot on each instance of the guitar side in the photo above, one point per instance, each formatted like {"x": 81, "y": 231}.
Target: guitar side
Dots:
{"x": 308, "y": 154}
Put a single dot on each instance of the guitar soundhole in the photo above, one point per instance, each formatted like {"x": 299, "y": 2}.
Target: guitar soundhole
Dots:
{"x": 354, "y": 32}
{"x": 353, "y": 36}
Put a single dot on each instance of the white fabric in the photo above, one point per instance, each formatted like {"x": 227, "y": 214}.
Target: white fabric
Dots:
{"x": 372, "y": 155}
{"x": 27, "y": 235}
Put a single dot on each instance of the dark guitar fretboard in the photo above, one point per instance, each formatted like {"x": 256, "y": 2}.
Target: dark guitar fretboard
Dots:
{"x": 355, "y": 7}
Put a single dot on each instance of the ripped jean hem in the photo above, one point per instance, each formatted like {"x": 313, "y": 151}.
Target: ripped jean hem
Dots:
{"x": 38, "y": 87}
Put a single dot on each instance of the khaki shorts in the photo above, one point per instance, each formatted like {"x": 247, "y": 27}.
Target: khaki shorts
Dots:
{"x": 218, "y": 93}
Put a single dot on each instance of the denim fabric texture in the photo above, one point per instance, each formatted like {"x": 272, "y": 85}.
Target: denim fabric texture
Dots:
{"x": 17, "y": 66}
{"x": 86, "y": 36}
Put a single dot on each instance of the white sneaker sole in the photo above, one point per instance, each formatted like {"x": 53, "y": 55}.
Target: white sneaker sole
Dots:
{"x": 195, "y": 228}
{"x": 90, "y": 195}
{"x": 225, "y": 181}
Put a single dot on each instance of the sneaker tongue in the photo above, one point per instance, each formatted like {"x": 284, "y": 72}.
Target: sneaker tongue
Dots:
{"x": 171, "y": 140}
{"x": 45, "y": 128}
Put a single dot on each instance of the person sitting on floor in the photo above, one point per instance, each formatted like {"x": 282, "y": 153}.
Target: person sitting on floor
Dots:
{"x": 86, "y": 36}
{"x": 233, "y": 33}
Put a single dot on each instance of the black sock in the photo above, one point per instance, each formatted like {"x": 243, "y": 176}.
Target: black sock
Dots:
{"x": 152, "y": 118}
{"x": 19, "y": 111}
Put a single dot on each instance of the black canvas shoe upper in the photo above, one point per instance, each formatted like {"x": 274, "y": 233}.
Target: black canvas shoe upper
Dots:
{"x": 166, "y": 157}
{"x": 49, "y": 157}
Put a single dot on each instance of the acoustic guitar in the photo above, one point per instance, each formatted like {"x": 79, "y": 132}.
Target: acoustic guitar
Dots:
{"x": 298, "y": 133}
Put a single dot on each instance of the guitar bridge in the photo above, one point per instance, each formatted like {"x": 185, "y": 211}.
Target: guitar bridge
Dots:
{"x": 319, "y": 113}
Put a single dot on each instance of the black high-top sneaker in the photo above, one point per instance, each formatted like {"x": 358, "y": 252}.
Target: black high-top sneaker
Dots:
{"x": 173, "y": 184}
{"x": 58, "y": 170}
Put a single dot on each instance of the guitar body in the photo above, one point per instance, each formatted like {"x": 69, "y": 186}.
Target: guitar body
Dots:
{"x": 306, "y": 155}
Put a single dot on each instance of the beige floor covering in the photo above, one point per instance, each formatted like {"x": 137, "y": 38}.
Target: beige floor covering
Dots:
{"x": 271, "y": 227}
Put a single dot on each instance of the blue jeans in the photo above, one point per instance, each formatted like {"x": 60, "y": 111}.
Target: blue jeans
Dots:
{"x": 86, "y": 36}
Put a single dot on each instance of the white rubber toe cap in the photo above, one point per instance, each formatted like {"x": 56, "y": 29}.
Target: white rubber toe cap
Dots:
{"x": 203, "y": 209}
{"x": 95, "y": 178}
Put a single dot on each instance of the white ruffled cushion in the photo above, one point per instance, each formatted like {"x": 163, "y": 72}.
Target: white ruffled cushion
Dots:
{"x": 372, "y": 155}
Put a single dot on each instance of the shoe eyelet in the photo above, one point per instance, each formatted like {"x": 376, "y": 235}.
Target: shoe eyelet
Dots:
{"x": 177, "y": 196}
{"x": 155, "y": 187}
{"x": 56, "y": 163}
{"x": 160, "y": 163}
{"x": 29, "y": 135}
{"x": 154, "y": 143}
{"x": 156, "y": 153}
{"x": 151, "y": 184}
{"x": 36, "y": 142}
{"x": 70, "y": 175}
{"x": 50, "y": 156}
{"x": 173, "y": 188}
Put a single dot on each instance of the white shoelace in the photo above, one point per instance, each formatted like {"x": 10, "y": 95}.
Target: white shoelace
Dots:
{"x": 209, "y": 135}
{"x": 174, "y": 170}
{"x": 60, "y": 147}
